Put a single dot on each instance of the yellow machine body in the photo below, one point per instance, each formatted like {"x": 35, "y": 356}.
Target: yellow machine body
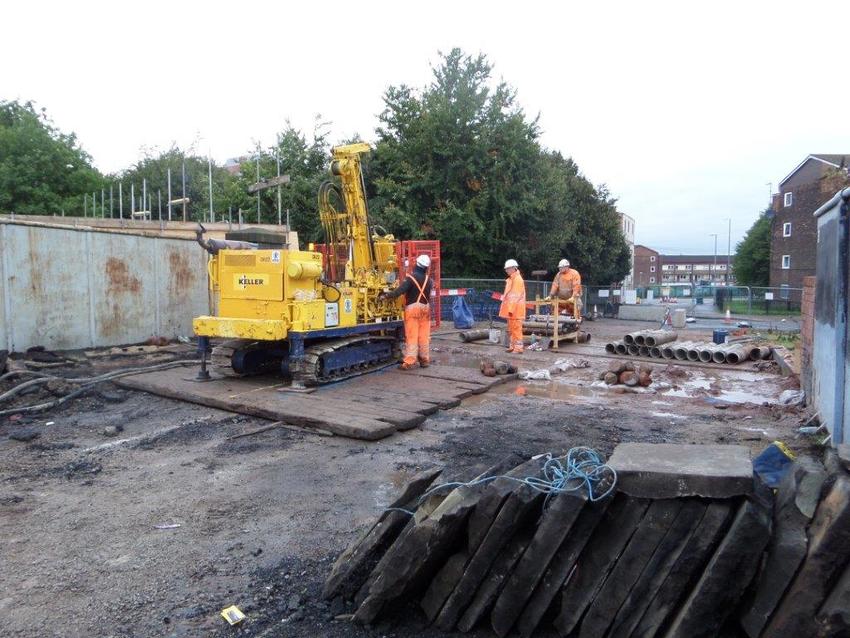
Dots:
{"x": 269, "y": 294}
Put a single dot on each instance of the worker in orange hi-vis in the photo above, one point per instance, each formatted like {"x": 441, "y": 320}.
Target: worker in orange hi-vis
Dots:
{"x": 416, "y": 288}
{"x": 513, "y": 305}
{"x": 566, "y": 287}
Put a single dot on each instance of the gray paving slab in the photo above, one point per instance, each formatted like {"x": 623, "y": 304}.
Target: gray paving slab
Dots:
{"x": 667, "y": 470}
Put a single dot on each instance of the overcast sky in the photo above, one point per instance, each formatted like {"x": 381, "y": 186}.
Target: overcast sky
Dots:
{"x": 685, "y": 110}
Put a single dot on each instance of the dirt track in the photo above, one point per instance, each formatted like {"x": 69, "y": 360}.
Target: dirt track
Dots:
{"x": 262, "y": 517}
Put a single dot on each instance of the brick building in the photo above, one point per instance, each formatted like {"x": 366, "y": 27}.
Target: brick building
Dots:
{"x": 647, "y": 267}
{"x": 696, "y": 269}
{"x": 651, "y": 268}
{"x": 793, "y": 241}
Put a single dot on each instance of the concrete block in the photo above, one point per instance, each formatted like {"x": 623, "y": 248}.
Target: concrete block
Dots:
{"x": 667, "y": 470}
{"x": 641, "y": 312}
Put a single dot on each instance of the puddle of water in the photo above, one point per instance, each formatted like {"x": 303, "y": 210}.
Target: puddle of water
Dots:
{"x": 667, "y": 415}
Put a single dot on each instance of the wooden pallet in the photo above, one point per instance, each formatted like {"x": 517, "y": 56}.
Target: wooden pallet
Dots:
{"x": 369, "y": 407}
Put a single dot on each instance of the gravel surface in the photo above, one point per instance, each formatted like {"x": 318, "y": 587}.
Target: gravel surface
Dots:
{"x": 134, "y": 515}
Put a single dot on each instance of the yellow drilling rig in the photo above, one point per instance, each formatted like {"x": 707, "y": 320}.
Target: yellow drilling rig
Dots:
{"x": 313, "y": 315}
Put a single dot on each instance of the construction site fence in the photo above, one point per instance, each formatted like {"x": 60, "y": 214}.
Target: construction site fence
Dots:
{"x": 753, "y": 299}
{"x": 478, "y": 294}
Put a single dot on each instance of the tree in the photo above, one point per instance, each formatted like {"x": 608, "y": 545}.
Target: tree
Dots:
{"x": 752, "y": 254}
{"x": 460, "y": 162}
{"x": 42, "y": 170}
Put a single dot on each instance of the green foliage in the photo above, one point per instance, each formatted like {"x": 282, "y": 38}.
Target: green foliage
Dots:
{"x": 307, "y": 164}
{"x": 459, "y": 161}
{"x": 42, "y": 170}
{"x": 752, "y": 254}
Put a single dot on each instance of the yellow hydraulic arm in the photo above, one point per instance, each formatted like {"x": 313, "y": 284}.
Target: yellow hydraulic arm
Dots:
{"x": 346, "y": 165}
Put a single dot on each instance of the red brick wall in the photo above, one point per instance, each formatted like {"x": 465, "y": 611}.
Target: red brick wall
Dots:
{"x": 807, "y": 332}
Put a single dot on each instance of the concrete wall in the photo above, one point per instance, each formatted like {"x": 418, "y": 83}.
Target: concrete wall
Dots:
{"x": 67, "y": 288}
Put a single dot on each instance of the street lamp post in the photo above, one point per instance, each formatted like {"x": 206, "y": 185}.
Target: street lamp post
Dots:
{"x": 728, "y": 250}
{"x": 714, "y": 272}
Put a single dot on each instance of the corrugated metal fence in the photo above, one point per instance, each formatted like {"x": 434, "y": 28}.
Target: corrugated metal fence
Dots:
{"x": 64, "y": 288}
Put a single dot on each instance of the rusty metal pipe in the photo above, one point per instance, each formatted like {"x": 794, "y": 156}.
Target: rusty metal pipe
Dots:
{"x": 475, "y": 335}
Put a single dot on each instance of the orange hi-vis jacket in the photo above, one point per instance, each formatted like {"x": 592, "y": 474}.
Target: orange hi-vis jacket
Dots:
{"x": 513, "y": 299}
{"x": 566, "y": 285}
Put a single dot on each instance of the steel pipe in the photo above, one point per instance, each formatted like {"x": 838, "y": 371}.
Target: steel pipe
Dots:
{"x": 643, "y": 351}
{"x": 475, "y": 335}
{"x": 655, "y": 352}
{"x": 633, "y": 350}
{"x": 622, "y": 348}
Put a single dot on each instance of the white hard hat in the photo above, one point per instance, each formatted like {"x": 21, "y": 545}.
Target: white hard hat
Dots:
{"x": 423, "y": 260}
{"x": 511, "y": 263}
{"x": 564, "y": 263}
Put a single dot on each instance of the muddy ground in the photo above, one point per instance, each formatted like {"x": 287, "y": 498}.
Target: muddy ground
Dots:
{"x": 262, "y": 517}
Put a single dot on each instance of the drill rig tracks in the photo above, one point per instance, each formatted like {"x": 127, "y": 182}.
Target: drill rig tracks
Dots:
{"x": 340, "y": 359}
{"x": 325, "y": 362}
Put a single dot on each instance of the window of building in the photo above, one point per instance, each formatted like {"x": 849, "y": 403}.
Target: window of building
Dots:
{"x": 789, "y": 198}
{"x": 652, "y": 258}
{"x": 786, "y": 229}
{"x": 721, "y": 266}
{"x": 784, "y": 291}
{"x": 667, "y": 267}
{"x": 652, "y": 280}
{"x": 681, "y": 267}
{"x": 786, "y": 262}
{"x": 652, "y": 269}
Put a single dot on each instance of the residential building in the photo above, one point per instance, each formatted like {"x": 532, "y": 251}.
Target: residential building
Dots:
{"x": 627, "y": 225}
{"x": 793, "y": 244}
{"x": 696, "y": 269}
{"x": 647, "y": 267}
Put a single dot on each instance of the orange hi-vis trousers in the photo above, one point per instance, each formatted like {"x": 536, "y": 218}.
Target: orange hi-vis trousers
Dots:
{"x": 515, "y": 334}
{"x": 417, "y": 333}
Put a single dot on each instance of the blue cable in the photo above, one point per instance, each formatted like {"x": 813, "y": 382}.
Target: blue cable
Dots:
{"x": 580, "y": 467}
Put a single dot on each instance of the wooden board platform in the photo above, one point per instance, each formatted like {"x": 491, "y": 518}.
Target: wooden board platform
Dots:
{"x": 369, "y": 407}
